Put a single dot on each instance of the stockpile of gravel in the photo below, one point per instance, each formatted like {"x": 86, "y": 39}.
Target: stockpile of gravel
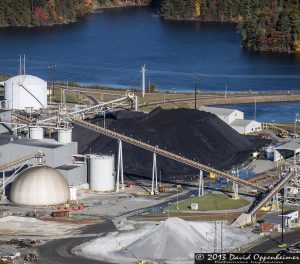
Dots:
{"x": 173, "y": 240}
{"x": 194, "y": 134}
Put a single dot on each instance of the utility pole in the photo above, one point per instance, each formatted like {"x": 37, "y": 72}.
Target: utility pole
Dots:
{"x": 282, "y": 222}
{"x": 143, "y": 71}
{"x": 52, "y": 68}
{"x": 296, "y": 120}
{"x": 255, "y": 106}
{"x": 196, "y": 81}
{"x": 226, "y": 91}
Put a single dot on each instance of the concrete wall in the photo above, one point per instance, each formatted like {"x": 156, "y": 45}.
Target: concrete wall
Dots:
{"x": 55, "y": 157}
{"x": 5, "y": 116}
{"x": 235, "y": 115}
{"x": 75, "y": 176}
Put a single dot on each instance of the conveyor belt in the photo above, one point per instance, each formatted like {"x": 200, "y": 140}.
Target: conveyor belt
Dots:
{"x": 13, "y": 163}
{"x": 280, "y": 184}
{"x": 162, "y": 152}
{"x": 277, "y": 129}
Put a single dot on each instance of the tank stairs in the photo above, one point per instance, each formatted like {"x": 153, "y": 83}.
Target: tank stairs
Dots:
{"x": 167, "y": 154}
{"x": 268, "y": 196}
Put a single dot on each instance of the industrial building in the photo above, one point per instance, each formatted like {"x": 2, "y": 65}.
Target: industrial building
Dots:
{"x": 290, "y": 218}
{"x": 235, "y": 119}
{"x": 5, "y": 116}
{"x": 58, "y": 155}
{"x": 287, "y": 150}
{"x": 25, "y": 91}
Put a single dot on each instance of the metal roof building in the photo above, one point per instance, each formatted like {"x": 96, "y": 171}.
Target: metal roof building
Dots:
{"x": 234, "y": 118}
{"x": 57, "y": 155}
{"x": 244, "y": 126}
{"x": 287, "y": 150}
{"x": 225, "y": 114}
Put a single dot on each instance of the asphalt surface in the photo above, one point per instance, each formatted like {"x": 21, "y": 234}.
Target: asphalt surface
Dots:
{"x": 273, "y": 243}
{"x": 60, "y": 251}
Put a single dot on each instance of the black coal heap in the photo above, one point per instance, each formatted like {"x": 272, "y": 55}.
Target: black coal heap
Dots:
{"x": 191, "y": 133}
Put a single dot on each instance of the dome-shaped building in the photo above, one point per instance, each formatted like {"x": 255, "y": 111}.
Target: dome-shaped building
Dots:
{"x": 40, "y": 185}
{"x": 25, "y": 91}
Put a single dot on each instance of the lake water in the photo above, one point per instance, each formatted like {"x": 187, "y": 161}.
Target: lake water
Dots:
{"x": 109, "y": 48}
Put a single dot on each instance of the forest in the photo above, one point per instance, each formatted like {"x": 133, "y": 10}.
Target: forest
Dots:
{"x": 41, "y": 12}
{"x": 265, "y": 25}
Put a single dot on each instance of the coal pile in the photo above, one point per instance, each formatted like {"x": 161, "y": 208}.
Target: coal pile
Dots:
{"x": 194, "y": 134}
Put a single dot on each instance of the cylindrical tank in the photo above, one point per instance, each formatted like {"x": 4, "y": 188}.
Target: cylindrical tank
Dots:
{"x": 270, "y": 152}
{"x": 65, "y": 136}
{"x": 101, "y": 173}
{"x": 73, "y": 193}
{"x": 25, "y": 91}
{"x": 36, "y": 132}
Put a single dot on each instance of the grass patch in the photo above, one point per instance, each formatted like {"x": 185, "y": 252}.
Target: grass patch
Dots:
{"x": 210, "y": 202}
{"x": 70, "y": 98}
{"x": 187, "y": 216}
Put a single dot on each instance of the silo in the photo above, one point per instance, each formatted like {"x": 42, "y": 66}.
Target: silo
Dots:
{"x": 73, "y": 193}
{"x": 24, "y": 91}
{"x": 36, "y": 132}
{"x": 65, "y": 135}
{"x": 101, "y": 173}
{"x": 270, "y": 152}
{"x": 40, "y": 185}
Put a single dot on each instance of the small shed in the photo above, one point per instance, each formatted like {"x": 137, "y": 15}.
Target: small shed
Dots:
{"x": 194, "y": 206}
{"x": 292, "y": 216}
{"x": 269, "y": 227}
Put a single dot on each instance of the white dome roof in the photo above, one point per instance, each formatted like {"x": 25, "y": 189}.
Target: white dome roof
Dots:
{"x": 25, "y": 79}
{"x": 40, "y": 185}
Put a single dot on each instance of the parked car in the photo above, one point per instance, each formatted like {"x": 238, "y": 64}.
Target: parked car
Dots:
{"x": 283, "y": 251}
{"x": 293, "y": 249}
{"x": 297, "y": 245}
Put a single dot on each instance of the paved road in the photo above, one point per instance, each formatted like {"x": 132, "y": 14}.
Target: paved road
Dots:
{"x": 272, "y": 244}
{"x": 60, "y": 251}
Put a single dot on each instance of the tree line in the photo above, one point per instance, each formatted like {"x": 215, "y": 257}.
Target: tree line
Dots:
{"x": 268, "y": 25}
{"x": 41, "y": 12}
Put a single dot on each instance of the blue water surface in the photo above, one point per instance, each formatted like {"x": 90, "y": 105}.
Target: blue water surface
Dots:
{"x": 109, "y": 48}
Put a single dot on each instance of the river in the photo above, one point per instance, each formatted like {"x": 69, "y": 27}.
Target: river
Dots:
{"x": 109, "y": 48}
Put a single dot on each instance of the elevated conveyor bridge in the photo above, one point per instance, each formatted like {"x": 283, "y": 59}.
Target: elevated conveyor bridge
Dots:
{"x": 35, "y": 155}
{"x": 157, "y": 150}
{"x": 278, "y": 186}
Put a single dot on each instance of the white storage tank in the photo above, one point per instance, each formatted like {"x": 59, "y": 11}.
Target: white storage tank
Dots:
{"x": 36, "y": 132}
{"x": 101, "y": 173}
{"x": 40, "y": 185}
{"x": 73, "y": 193}
{"x": 65, "y": 135}
{"x": 24, "y": 91}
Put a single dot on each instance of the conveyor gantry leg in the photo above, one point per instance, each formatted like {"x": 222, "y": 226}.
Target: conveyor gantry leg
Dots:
{"x": 275, "y": 202}
{"x": 201, "y": 184}
{"x": 154, "y": 188}
{"x": 285, "y": 193}
{"x": 120, "y": 173}
{"x": 3, "y": 186}
{"x": 235, "y": 189}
